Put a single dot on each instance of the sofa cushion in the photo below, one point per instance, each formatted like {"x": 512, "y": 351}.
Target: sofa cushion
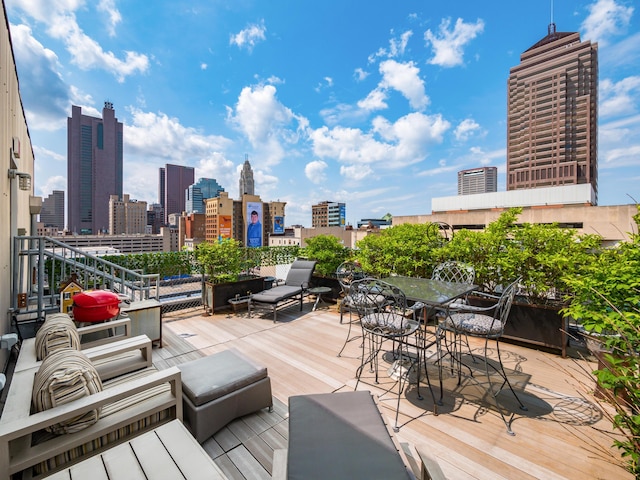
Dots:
{"x": 57, "y": 332}
{"x": 63, "y": 377}
{"x": 214, "y": 376}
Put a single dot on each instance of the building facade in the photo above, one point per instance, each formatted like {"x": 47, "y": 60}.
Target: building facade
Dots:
{"x": 552, "y": 114}
{"x": 246, "y": 185}
{"x": 94, "y": 169}
{"x": 173, "y": 182}
{"x": 328, "y": 214}
{"x": 126, "y": 216}
{"x": 52, "y": 213}
{"x": 477, "y": 180}
{"x": 196, "y": 194}
{"x": 17, "y": 215}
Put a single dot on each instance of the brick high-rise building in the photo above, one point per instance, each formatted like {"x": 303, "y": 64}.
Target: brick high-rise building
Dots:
{"x": 94, "y": 169}
{"x": 552, "y": 114}
{"x": 328, "y": 214}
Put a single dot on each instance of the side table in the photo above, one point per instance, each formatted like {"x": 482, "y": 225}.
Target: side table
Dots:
{"x": 318, "y": 292}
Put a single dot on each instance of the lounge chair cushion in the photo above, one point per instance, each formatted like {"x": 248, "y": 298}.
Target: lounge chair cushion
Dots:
{"x": 276, "y": 294}
{"x": 57, "y": 332}
{"x": 300, "y": 272}
{"x": 63, "y": 377}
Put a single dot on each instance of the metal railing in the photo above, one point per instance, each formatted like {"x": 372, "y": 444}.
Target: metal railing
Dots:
{"x": 42, "y": 264}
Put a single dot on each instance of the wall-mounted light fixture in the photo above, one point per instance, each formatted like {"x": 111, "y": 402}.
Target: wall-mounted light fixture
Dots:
{"x": 24, "y": 179}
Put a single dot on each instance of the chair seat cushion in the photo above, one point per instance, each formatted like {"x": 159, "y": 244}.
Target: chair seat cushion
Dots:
{"x": 474, "y": 324}
{"x": 277, "y": 294}
{"x": 211, "y": 377}
{"x": 387, "y": 322}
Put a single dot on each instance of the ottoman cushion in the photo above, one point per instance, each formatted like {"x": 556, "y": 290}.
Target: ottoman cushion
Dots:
{"x": 214, "y": 376}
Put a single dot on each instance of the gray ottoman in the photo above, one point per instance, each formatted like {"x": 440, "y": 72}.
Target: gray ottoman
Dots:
{"x": 220, "y": 388}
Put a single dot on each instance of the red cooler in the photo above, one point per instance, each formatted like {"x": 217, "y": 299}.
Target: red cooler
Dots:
{"x": 95, "y": 306}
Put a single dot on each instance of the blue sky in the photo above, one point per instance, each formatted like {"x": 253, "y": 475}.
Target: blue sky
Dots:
{"x": 377, "y": 104}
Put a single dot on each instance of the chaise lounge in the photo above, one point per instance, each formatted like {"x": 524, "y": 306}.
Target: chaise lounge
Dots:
{"x": 293, "y": 290}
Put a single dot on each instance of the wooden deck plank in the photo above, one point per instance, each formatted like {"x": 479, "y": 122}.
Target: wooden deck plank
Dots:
{"x": 560, "y": 437}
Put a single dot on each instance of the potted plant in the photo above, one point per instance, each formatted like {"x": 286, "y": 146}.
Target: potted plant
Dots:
{"x": 606, "y": 302}
{"x": 223, "y": 264}
{"x": 329, "y": 252}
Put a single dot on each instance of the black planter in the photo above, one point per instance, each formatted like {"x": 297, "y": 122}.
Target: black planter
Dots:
{"x": 535, "y": 325}
{"x": 217, "y": 295}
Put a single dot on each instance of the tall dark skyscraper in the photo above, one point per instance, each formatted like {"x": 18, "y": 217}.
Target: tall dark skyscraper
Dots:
{"x": 174, "y": 180}
{"x": 94, "y": 169}
{"x": 553, "y": 114}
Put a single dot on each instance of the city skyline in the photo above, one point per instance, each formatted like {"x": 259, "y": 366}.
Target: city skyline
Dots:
{"x": 376, "y": 107}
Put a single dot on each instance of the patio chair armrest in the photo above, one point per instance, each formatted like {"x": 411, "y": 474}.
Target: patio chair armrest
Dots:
{"x": 18, "y": 454}
{"x": 102, "y": 327}
{"x": 430, "y": 469}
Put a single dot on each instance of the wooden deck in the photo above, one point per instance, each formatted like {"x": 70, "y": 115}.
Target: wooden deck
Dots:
{"x": 561, "y": 436}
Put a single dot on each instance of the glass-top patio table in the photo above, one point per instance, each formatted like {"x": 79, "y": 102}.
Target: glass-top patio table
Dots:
{"x": 433, "y": 294}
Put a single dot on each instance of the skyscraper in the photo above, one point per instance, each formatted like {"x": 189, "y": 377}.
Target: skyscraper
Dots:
{"x": 196, "y": 194}
{"x": 552, "y": 114}
{"x": 477, "y": 180}
{"x": 174, "y": 180}
{"x": 246, "y": 186}
{"x": 94, "y": 169}
{"x": 52, "y": 213}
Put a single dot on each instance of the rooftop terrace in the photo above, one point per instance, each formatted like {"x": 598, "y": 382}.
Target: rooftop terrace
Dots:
{"x": 562, "y": 435}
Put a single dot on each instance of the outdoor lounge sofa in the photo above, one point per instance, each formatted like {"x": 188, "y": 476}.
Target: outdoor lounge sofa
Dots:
{"x": 293, "y": 290}
{"x": 65, "y": 408}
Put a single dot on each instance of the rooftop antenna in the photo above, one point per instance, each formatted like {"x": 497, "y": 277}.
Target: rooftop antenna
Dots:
{"x": 552, "y": 26}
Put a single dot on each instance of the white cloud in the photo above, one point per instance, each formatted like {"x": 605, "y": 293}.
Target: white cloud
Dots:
{"x": 59, "y": 16}
{"x": 448, "y": 43}
{"x": 388, "y": 146}
{"x": 619, "y": 98}
{"x": 355, "y": 173}
{"x": 108, "y": 7}
{"x": 250, "y": 36}
{"x": 315, "y": 171}
{"x": 265, "y": 122}
{"x": 376, "y": 100}
{"x": 203, "y": 66}
{"x": 402, "y": 77}
{"x": 405, "y": 78}
{"x": 166, "y": 139}
{"x": 50, "y": 110}
{"x": 360, "y": 74}
{"x": 466, "y": 129}
{"x": 606, "y": 18}
{"x": 397, "y": 47}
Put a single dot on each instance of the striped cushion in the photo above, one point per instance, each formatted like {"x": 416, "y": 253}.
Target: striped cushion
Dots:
{"x": 64, "y": 376}
{"x": 126, "y": 431}
{"x": 56, "y": 333}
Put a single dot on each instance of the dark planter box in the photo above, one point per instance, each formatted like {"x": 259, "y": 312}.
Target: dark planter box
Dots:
{"x": 539, "y": 325}
{"x": 331, "y": 282}
{"x": 217, "y": 295}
